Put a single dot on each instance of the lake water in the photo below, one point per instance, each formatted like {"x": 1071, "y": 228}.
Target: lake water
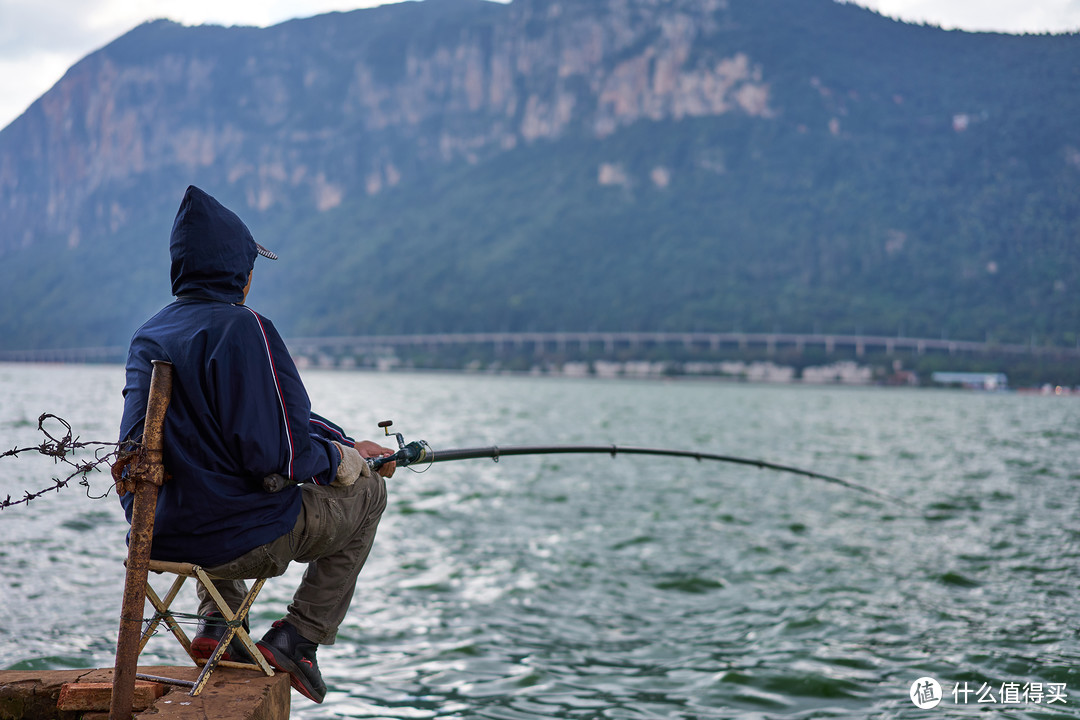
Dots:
{"x": 593, "y": 587}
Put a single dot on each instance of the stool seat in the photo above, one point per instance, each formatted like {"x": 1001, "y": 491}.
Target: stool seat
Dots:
{"x": 235, "y": 621}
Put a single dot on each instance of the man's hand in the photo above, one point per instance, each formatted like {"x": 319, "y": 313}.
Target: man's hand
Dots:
{"x": 351, "y": 468}
{"x": 369, "y": 449}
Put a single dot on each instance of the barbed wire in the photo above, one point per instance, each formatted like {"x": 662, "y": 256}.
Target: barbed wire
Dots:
{"x": 61, "y": 450}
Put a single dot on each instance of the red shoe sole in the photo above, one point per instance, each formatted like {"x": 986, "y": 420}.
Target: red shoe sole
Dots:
{"x": 296, "y": 684}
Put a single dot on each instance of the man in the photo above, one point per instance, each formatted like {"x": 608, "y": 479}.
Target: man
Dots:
{"x": 239, "y": 412}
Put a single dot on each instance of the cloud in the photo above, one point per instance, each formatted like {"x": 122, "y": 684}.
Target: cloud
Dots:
{"x": 35, "y": 26}
{"x": 985, "y": 15}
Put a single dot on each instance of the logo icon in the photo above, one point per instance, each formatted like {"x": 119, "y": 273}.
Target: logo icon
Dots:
{"x": 925, "y": 693}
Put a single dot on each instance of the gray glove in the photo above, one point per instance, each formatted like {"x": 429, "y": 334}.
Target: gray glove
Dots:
{"x": 351, "y": 468}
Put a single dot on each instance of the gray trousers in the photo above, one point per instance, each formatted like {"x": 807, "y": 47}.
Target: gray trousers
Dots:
{"x": 333, "y": 534}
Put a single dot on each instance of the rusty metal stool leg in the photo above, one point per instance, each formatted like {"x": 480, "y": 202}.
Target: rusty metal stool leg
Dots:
{"x": 144, "y": 480}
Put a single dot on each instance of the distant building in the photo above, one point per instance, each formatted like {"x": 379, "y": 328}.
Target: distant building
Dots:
{"x": 974, "y": 381}
{"x": 844, "y": 372}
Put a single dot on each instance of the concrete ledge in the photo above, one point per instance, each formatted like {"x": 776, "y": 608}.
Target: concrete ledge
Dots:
{"x": 231, "y": 694}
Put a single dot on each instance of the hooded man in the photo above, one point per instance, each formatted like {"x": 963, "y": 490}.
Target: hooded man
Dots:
{"x": 238, "y": 413}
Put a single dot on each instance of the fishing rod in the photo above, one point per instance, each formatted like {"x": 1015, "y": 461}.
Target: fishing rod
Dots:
{"x": 419, "y": 452}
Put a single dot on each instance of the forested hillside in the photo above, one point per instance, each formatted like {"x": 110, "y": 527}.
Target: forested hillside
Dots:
{"x": 624, "y": 165}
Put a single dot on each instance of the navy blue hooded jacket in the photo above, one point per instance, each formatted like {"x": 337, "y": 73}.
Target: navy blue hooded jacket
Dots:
{"x": 238, "y": 410}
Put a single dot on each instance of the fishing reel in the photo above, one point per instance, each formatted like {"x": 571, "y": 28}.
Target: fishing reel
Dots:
{"x": 407, "y": 454}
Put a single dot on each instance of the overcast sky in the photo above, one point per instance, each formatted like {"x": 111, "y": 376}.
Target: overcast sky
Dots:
{"x": 41, "y": 39}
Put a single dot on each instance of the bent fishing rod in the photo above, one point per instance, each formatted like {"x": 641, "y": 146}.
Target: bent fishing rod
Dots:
{"x": 419, "y": 452}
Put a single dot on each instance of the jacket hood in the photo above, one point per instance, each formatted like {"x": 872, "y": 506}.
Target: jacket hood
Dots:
{"x": 211, "y": 248}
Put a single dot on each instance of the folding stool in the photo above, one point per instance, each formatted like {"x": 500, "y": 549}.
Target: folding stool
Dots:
{"x": 235, "y": 621}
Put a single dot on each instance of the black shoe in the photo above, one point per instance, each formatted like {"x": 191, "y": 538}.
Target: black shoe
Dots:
{"x": 284, "y": 649}
{"x": 212, "y": 628}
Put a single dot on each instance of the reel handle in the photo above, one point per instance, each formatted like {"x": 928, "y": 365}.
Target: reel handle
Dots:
{"x": 385, "y": 425}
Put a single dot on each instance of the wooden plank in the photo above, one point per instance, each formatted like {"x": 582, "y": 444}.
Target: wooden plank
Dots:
{"x": 98, "y": 696}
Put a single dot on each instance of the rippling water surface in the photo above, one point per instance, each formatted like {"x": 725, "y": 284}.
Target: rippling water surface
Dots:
{"x": 592, "y": 587}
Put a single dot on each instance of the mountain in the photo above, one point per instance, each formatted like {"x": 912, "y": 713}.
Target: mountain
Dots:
{"x": 457, "y": 165}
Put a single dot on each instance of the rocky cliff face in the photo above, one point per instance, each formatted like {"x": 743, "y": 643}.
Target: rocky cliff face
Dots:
{"x": 310, "y": 112}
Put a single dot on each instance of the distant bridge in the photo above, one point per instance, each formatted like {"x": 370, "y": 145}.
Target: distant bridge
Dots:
{"x": 607, "y": 342}
{"x": 610, "y": 342}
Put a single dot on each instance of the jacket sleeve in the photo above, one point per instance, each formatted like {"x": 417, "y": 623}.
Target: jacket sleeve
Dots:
{"x": 324, "y": 428}
{"x": 264, "y": 409}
